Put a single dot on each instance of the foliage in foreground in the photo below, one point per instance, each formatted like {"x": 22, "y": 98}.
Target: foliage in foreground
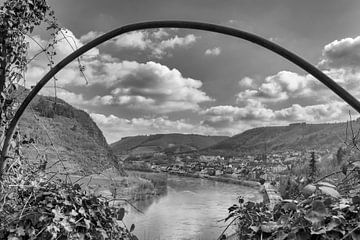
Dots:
{"x": 317, "y": 217}
{"x": 36, "y": 207}
{"x": 316, "y": 211}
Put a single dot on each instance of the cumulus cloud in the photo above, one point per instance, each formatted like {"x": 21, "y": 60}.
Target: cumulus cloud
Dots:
{"x": 234, "y": 118}
{"x": 66, "y": 43}
{"x": 213, "y": 51}
{"x": 344, "y": 53}
{"x": 278, "y": 87}
{"x": 313, "y": 113}
{"x": 90, "y": 36}
{"x": 287, "y": 97}
{"x": 158, "y": 42}
{"x": 340, "y": 60}
{"x": 136, "y": 39}
{"x": 114, "y": 128}
{"x": 246, "y": 82}
{"x": 150, "y": 86}
{"x": 160, "y": 33}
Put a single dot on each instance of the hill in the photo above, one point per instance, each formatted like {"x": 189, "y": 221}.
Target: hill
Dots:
{"x": 174, "y": 143}
{"x": 280, "y": 138}
{"x": 65, "y": 135}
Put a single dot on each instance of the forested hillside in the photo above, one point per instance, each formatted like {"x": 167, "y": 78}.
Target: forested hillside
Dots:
{"x": 65, "y": 134}
{"x": 295, "y": 136}
{"x": 173, "y": 143}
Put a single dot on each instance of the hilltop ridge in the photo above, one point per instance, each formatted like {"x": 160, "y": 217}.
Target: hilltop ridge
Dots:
{"x": 298, "y": 136}
{"x": 172, "y": 142}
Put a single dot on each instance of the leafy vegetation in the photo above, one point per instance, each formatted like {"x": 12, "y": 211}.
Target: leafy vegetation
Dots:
{"x": 317, "y": 217}
{"x": 33, "y": 203}
{"x": 35, "y": 207}
{"x": 324, "y": 204}
{"x": 283, "y": 138}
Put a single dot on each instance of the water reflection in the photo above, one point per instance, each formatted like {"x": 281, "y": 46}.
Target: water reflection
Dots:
{"x": 191, "y": 209}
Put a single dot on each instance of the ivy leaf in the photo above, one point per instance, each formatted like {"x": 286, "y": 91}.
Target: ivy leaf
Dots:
{"x": 309, "y": 189}
{"x": 330, "y": 191}
{"x": 120, "y": 214}
{"x": 319, "y": 231}
{"x": 325, "y": 184}
{"x": 87, "y": 223}
{"x": 254, "y": 228}
{"x": 355, "y": 235}
{"x": 73, "y": 213}
{"x": 132, "y": 227}
{"x": 270, "y": 227}
{"x": 66, "y": 225}
{"x": 289, "y": 206}
{"x": 103, "y": 233}
{"x": 20, "y": 231}
{"x": 344, "y": 169}
{"x": 356, "y": 200}
{"x": 319, "y": 207}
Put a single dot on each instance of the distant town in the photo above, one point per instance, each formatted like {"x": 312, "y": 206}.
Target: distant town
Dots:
{"x": 267, "y": 166}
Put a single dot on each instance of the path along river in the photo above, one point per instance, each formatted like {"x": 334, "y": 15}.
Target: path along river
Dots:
{"x": 191, "y": 209}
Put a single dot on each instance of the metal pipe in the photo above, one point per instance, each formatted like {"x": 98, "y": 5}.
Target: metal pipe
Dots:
{"x": 327, "y": 81}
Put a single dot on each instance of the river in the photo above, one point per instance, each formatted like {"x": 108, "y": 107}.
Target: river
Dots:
{"x": 191, "y": 209}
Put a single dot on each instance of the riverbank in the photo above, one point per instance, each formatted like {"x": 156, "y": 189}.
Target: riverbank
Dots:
{"x": 135, "y": 187}
{"x": 231, "y": 180}
{"x": 226, "y": 179}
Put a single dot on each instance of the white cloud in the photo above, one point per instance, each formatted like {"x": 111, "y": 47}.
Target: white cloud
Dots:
{"x": 90, "y": 36}
{"x": 333, "y": 111}
{"x": 278, "y": 87}
{"x": 236, "y": 119}
{"x": 246, "y": 82}
{"x": 153, "y": 88}
{"x": 160, "y": 49}
{"x": 136, "y": 39}
{"x": 213, "y": 52}
{"x": 158, "y": 42}
{"x": 150, "y": 86}
{"x": 344, "y": 53}
{"x": 66, "y": 43}
{"x": 160, "y": 33}
{"x": 177, "y": 41}
{"x": 114, "y": 128}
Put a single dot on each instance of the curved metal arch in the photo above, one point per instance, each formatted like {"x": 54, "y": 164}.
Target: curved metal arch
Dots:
{"x": 347, "y": 97}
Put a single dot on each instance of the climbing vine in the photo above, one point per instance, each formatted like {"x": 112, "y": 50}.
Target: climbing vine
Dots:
{"x": 34, "y": 205}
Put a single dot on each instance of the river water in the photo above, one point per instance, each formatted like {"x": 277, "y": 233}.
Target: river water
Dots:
{"x": 191, "y": 209}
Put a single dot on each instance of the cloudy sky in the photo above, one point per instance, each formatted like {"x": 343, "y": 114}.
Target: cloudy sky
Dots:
{"x": 175, "y": 80}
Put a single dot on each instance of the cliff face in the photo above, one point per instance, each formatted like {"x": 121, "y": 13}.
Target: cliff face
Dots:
{"x": 65, "y": 135}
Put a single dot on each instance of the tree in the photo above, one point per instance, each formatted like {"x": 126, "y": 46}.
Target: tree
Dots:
{"x": 30, "y": 202}
{"x": 18, "y": 18}
{"x": 312, "y": 167}
{"x": 340, "y": 155}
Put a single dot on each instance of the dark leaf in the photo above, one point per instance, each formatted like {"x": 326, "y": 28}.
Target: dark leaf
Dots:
{"x": 132, "y": 227}
{"x": 120, "y": 214}
{"x": 344, "y": 169}
{"x": 356, "y": 200}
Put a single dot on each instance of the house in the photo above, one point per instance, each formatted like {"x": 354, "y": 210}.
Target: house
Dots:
{"x": 219, "y": 172}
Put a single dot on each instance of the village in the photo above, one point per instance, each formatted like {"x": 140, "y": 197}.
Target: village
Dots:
{"x": 270, "y": 166}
